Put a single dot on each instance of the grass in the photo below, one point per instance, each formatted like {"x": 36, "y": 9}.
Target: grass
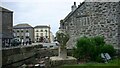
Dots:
{"x": 111, "y": 64}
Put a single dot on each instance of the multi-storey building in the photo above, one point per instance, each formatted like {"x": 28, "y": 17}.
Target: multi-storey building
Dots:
{"x": 93, "y": 19}
{"x": 42, "y": 33}
{"x": 6, "y": 26}
{"x": 24, "y": 32}
{"x": 51, "y": 37}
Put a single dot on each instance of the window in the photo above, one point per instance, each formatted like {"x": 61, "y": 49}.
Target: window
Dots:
{"x": 21, "y": 30}
{"x": 37, "y": 35}
{"x": 27, "y": 34}
{"x": 51, "y": 46}
{"x": 17, "y": 34}
{"x": 41, "y": 30}
{"x": 37, "y": 31}
{"x": 46, "y": 36}
{"x": 21, "y": 37}
{"x": 17, "y": 30}
{"x": 26, "y": 30}
{"x": 14, "y": 34}
{"x": 45, "y": 30}
{"x": 41, "y": 34}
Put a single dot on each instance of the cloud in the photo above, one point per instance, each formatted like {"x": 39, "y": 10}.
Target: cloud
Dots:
{"x": 40, "y": 0}
{"x": 44, "y": 12}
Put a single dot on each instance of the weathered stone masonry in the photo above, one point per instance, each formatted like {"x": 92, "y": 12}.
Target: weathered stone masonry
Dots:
{"x": 94, "y": 19}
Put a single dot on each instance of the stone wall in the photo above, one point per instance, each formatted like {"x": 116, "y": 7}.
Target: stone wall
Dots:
{"x": 20, "y": 55}
{"x": 94, "y": 19}
{"x": 12, "y": 56}
{"x": 55, "y": 64}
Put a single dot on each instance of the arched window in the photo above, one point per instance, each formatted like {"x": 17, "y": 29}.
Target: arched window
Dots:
{"x": 17, "y": 30}
{"x": 45, "y": 30}
{"x": 41, "y": 30}
{"x": 37, "y": 31}
{"x": 26, "y": 30}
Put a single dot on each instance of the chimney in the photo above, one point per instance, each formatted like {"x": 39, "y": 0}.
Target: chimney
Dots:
{"x": 73, "y": 7}
{"x": 79, "y": 4}
{"x": 74, "y": 3}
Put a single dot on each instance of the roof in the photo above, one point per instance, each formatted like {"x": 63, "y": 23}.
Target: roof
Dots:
{"x": 22, "y": 26}
{"x": 42, "y": 26}
{"x": 2, "y": 9}
{"x": 71, "y": 13}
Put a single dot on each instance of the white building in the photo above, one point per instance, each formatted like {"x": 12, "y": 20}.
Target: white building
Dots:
{"x": 42, "y": 33}
{"x": 51, "y": 37}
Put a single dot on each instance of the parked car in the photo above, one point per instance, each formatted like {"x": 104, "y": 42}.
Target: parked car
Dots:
{"x": 15, "y": 42}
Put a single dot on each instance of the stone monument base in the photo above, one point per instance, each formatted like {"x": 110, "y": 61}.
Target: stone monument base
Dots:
{"x": 58, "y": 61}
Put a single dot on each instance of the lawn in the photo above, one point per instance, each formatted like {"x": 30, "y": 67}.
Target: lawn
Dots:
{"x": 111, "y": 64}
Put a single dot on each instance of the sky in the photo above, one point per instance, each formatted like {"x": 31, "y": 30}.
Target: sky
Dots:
{"x": 39, "y": 12}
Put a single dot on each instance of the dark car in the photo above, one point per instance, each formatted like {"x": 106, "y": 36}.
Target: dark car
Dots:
{"x": 15, "y": 42}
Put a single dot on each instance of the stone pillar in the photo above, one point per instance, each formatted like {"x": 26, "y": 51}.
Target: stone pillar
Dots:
{"x": 62, "y": 52}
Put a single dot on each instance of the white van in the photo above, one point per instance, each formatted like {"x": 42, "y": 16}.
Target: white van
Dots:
{"x": 50, "y": 45}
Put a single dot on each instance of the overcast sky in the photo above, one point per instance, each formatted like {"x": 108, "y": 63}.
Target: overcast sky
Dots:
{"x": 40, "y": 12}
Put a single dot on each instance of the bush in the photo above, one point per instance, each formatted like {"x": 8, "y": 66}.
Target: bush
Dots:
{"x": 91, "y": 48}
{"x": 99, "y": 40}
{"x": 108, "y": 49}
{"x": 83, "y": 48}
{"x": 98, "y": 59}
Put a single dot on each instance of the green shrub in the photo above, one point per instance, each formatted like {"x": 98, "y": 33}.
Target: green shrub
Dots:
{"x": 91, "y": 48}
{"x": 99, "y": 40}
{"x": 84, "y": 48}
{"x": 98, "y": 59}
{"x": 108, "y": 49}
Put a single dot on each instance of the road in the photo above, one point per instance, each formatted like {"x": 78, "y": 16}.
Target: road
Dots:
{"x": 47, "y": 45}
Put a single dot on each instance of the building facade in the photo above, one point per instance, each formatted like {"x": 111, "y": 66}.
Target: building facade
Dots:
{"x": 42, "y": 33}
{"x": 51, "y": 37}
{"x": 24, "y": 32}
{"x": 93, "y": 19}
{"x": 6, "y": 26}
